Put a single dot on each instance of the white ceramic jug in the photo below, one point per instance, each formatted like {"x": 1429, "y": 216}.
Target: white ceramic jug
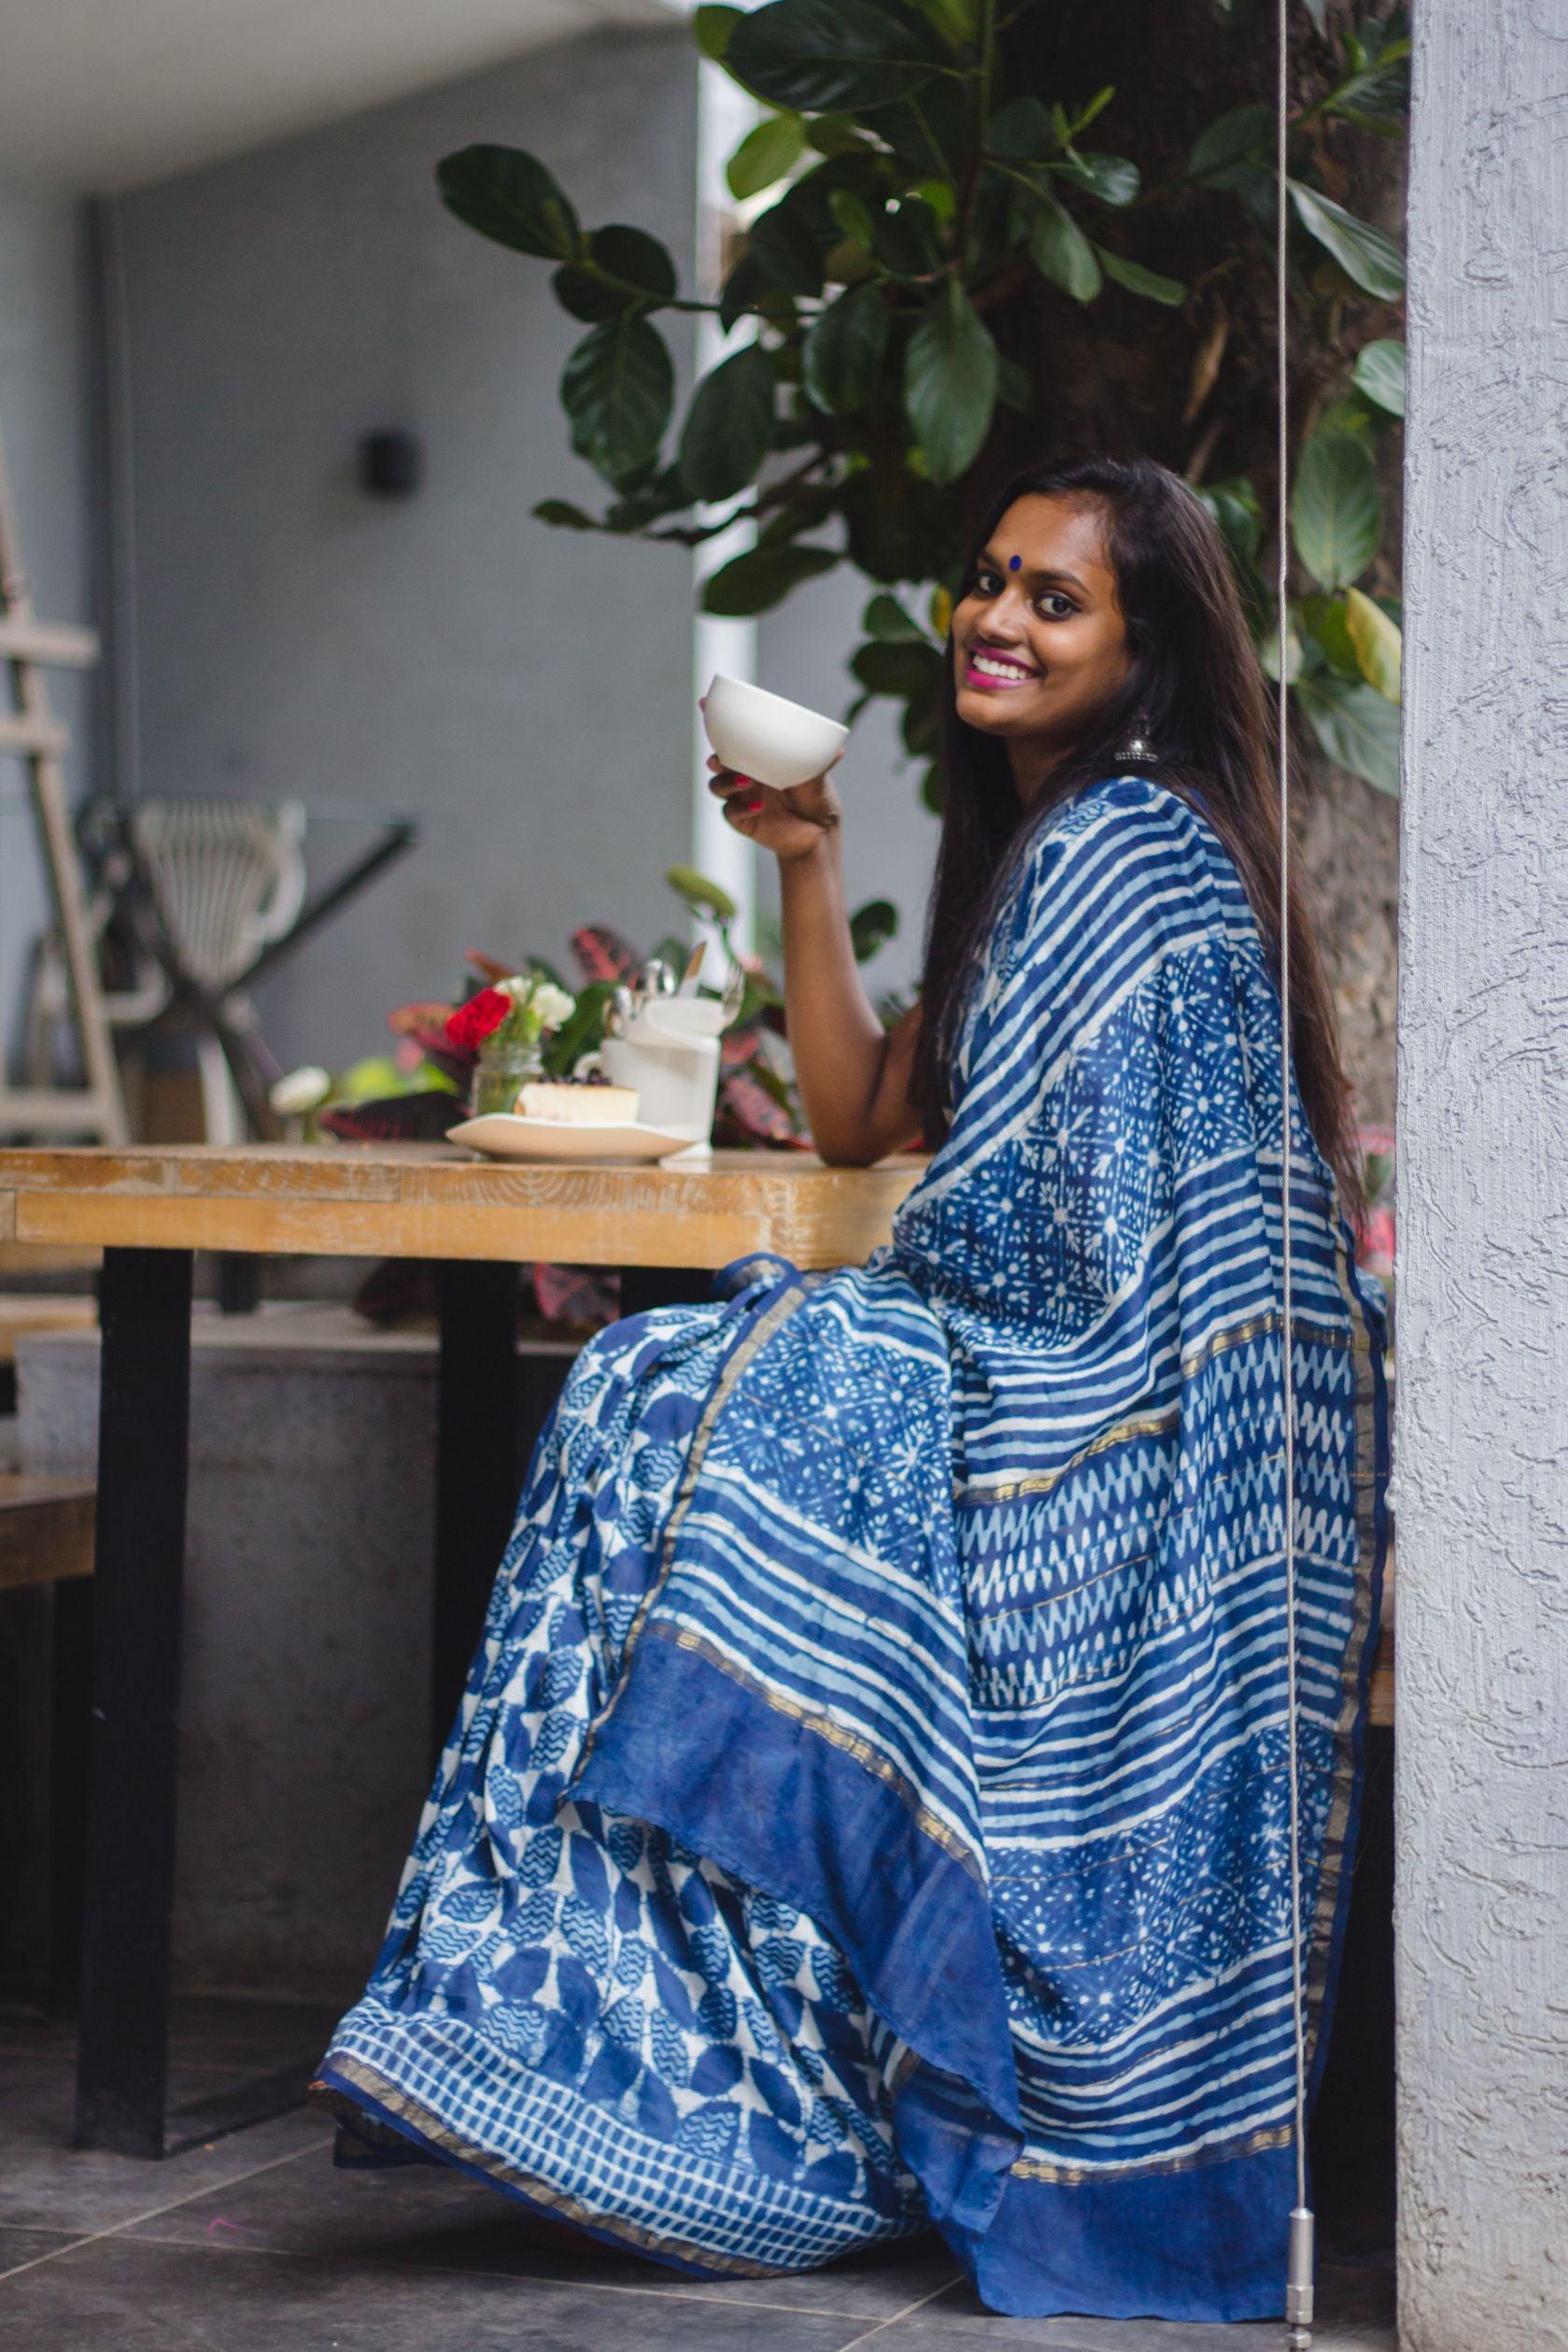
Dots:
{"x": 670, "y": 1053}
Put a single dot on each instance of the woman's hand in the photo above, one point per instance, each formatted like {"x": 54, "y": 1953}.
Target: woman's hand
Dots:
{"x": 791, "y": 824}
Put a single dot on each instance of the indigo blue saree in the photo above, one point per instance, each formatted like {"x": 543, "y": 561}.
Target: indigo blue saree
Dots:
{"x": 870, "y": 1804}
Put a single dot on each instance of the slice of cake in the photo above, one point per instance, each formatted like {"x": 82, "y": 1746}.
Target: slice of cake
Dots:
{"x": 574, "y": 1103}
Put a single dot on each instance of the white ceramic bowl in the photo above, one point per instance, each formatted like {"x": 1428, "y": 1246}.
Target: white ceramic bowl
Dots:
{"x": 762, "y": 735}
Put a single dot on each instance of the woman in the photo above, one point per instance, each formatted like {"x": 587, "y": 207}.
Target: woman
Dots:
{"x": 869, "y": 1804}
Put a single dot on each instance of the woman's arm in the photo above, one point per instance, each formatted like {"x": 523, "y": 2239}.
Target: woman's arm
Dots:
{"x": 854, "y": 1074}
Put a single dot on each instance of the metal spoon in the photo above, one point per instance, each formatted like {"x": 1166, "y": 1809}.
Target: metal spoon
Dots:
{"x": 694, "y": 965}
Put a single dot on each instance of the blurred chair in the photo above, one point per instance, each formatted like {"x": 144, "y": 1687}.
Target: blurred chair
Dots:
{"x": 188, "y": 900}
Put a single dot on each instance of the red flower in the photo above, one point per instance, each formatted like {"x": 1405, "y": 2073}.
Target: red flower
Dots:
{"x": 478, "y": 1019}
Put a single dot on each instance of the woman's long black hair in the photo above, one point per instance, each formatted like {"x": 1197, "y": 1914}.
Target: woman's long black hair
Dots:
{"x": 1196, "y": 694}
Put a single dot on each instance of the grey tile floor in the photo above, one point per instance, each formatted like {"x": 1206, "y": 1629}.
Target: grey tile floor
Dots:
{"x": 254, "y": 2243}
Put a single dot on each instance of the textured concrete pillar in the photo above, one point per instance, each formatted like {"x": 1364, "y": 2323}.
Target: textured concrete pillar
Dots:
{"x": 1481, "y": 1439}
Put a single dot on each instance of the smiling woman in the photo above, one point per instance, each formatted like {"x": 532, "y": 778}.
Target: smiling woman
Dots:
{"x": 1103, "y": 585}
{"x": 869, "y": 1807}
{"x": 1040, "y": 625}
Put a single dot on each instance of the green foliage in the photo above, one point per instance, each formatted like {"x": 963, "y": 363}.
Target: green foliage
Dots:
{"x": 1354, "y": 725}
{"x": 1337, "y": 510}
{"x": 870, "y": 928}
{"x": 510, "y": 197}
{"x": 1368, "y": 259}
{"x": 1378, "y": 642}
{"x": 701, "y": 895}
{"x": 765, "y": 154}
{"x": 950, "y": 383}
{"x": 920, "y": 236}
{"x": 1379, "y": 373}
{"x": 618, "y": 388}
{"x": 729, "y": 425}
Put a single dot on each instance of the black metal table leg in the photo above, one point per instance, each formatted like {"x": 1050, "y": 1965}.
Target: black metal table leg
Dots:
{"x": 478, "y": 1463}
{"x": 143, "y": 1437}
{"x": 70, "y": 1735}
{"x": 239, "y": 1282}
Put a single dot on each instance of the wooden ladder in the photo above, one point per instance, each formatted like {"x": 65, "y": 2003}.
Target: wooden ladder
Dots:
{"x": 29, "y": 729}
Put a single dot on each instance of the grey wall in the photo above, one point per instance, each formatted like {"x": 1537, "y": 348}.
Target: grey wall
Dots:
{"x": 527, "y": 692}
{"x": 1481, "y": 1443}
{"x": 44, "y": 430}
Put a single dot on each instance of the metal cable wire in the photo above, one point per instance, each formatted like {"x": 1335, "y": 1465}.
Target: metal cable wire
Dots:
{"x": 1298, "y": 2287}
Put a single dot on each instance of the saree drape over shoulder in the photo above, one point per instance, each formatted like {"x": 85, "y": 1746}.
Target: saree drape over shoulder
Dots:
{"x": 869, "y": 1803}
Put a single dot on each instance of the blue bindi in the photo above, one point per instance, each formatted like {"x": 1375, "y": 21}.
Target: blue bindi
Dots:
{"x": 1016, "y": 563}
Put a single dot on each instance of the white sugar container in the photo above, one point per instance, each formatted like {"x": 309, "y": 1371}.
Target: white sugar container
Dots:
{"x": 671, "y": 1054}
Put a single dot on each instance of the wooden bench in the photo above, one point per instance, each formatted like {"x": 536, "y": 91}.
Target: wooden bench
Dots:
{"x": 46, "y": 1528}
{"x": 45, "y": 1539}
{"x": 24, "y": 1313}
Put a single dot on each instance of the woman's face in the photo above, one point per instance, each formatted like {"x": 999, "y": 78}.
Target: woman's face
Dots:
{"x": 1038, "y": 643}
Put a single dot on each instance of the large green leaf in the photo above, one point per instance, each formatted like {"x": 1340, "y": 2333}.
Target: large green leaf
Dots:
{"x": 1379, "y": 641}
{"x": 1379, "y": 373}
{"x": 701, "y": 894}
{"x": 742, "y": 291}
{"x": 509, "y": 196}
{"x": 628, "y": 268}
{"x": 1324, "y": 619}
{"x": 586, "y": 297}
{"x": 1369, "y": 258}
{"x": 843, "y": 351}
{"x": 1376, "y": 93}
{"x": 1061, "y": 251}
{"x": 1246, "y": 130}
{"x": 711, "y": 27}
{"x": 1355, "y": 726}
{"x": 1138, "y": 280}
{"x": 907, "y": 239}
{"x": 563, "y": 514}
{"x": 885, "y": 620}
{"x": 1238, "y": 516}
{"x": 956, "y": 20}
{"x": 1337, "y": 509}
{"x": 783, "y": 250}
{"x": 617, "y": 389}
{"x": 930, "y": 130}
{"x": 1268, "y": 651}
{"x": 854, "y": 215}
{"x": 765, "y": 155}
{"x": 870, "y": 928}
{"x": 728, "y": 429}
{"x": 908, "y": 669}
{"x": 763, "y": 577}
{"x": 950, "y": 383}
{"x": 1110, "y": 177}
{"x": 815, "y": 56}
{"x": 1022, "y": 131}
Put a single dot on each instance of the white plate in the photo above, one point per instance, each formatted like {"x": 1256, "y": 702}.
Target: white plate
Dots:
{"x": 503, "y": 1136}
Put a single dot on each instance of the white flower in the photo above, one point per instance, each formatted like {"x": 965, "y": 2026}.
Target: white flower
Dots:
{"x": 302, "y": 1091}
{"x": 552, "y": 1005}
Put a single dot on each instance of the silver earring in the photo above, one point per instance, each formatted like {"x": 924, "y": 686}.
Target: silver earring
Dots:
{"x": 1138, "y": 744}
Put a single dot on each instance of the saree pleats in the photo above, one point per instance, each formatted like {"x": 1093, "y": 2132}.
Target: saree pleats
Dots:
{"x": 870, "y": 1801}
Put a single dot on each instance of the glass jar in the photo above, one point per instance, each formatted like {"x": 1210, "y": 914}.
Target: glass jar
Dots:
{"x": 501, "y": 1068}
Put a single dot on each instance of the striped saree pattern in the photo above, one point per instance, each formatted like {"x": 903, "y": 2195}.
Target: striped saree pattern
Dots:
{"x": 869, "y": 1805}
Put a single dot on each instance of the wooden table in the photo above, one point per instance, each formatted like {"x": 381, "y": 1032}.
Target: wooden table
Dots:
{"x": 150, "y": 1208}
